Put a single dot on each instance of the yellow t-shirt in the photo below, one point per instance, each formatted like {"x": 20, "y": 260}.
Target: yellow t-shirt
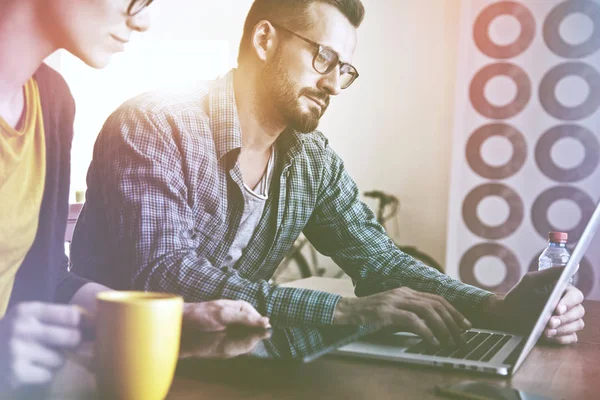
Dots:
{"x": 22, "y": 176}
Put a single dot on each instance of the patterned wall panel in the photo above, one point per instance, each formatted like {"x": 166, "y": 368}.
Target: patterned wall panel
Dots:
{"x": 526, "y": 156}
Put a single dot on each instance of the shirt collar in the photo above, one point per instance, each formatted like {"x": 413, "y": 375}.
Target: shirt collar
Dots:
{"x": 224, "y": 119}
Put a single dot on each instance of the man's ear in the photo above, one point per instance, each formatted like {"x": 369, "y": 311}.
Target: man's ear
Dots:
{"x": 263, "y": 39}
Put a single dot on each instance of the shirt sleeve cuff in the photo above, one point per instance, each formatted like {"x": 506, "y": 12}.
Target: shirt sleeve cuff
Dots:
{"x": 293, "y": 306}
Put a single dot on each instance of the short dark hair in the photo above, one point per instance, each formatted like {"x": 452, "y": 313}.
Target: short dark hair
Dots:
{"x": 292, "y": 15}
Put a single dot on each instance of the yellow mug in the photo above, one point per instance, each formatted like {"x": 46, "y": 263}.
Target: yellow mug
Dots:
{"x": 137, "y": 344}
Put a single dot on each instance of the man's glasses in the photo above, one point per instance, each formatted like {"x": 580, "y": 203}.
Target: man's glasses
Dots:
{"x": 136, "y": 6}
{"x": 326, "y": 59}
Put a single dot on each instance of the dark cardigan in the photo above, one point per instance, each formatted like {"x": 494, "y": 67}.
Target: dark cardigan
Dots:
{"x": 43, "y": 276}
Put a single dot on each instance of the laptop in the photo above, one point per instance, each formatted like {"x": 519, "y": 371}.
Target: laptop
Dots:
{"x": 489, "y": 351}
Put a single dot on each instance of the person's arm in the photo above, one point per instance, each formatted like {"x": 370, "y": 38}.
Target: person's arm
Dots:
{"x": 140, "y": 174}
{"x": 74, "y": 290}
{"x": 345, "y": 229}
{"x": 397, "y": 290}
{"x": 209, "y": 316}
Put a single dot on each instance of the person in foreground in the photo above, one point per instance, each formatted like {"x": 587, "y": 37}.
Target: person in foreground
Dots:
{"x": 202, "y": 194}
{"x": 36, "y": 128}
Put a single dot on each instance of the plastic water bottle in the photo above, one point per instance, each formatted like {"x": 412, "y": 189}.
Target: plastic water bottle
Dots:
{"x": 556, "y": 254}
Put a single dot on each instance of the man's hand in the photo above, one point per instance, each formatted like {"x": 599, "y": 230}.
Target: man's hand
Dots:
{"x": 567, "y": 318}
{"x": 217, "y": 315}
{"x": 210, "y": 316}
{"x": 33, "y": 337}
{"x": 521, "y": 306}
{"x": 427, "y": 315}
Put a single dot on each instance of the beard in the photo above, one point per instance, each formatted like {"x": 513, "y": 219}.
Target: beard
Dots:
{"x": 280, "y": 91}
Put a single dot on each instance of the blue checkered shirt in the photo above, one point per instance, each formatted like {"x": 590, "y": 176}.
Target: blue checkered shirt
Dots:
{"x": 164, "y": 203}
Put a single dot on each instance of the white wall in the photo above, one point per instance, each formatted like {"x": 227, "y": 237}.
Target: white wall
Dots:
{"x": 392, "y": 127}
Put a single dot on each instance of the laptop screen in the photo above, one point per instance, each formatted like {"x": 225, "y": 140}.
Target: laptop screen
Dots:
{"x": 561, "y": 285}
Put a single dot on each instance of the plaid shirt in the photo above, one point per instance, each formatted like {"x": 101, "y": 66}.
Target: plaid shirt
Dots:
{"x": 164, "y": 203}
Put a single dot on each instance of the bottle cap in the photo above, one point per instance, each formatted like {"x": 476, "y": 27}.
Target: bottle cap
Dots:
{"x": 558, "y": 237}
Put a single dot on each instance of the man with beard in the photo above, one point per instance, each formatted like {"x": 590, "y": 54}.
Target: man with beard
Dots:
{"x": 203, "y": 194}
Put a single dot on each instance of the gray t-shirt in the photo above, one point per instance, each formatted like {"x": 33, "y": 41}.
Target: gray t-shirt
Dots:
{"x": 254, "y": 205}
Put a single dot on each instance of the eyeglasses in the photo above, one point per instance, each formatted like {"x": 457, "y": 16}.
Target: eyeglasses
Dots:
{"x": 326, "y": 59}
{"x": 136, "y": 6}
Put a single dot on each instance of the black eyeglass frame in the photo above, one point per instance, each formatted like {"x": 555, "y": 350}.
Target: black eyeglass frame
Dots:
{"x": 320, "y": 48}
{"x": 133, "y": 11}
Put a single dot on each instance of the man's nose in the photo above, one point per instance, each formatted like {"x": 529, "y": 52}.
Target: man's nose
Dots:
{"x": 330, "y": 82}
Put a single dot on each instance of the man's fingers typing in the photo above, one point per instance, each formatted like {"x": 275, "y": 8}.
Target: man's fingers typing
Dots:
{"x": 455, "y": 329}
{"x": 426, "y": 312}
{"x": 412, "y": 323}
{"x": 459, "y": 319}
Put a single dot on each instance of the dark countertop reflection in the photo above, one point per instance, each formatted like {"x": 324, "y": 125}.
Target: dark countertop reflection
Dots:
{"x": 294, "y": 344}
{"x": 255, "y": 361}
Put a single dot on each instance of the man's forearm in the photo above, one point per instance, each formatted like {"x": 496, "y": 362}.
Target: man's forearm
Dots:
{"x": 283, "y": 305}
{"x": 353, "y": 311}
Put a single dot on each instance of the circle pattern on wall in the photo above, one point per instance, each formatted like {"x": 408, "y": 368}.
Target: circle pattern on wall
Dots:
{"x": 508, "y": 258}
{"x": 481, "y": 167}
{"x": 584, "y": 278}
{"x": 481, "y": 30}
{"x": 548, "y": 91}
{"x": 528, "y": 127}
{"x": 552, "y": 36}
{"x": 483, "y": 105}
{"x": 474, "y": 223}
{"x": 588, "y": 141}
{"x": 541, "y": 205}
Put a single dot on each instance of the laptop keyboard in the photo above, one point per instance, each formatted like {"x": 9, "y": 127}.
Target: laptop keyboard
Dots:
{"x": 480, "y": 346}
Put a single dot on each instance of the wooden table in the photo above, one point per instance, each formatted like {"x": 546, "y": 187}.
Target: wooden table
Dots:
{"x": 557, "y": 372}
